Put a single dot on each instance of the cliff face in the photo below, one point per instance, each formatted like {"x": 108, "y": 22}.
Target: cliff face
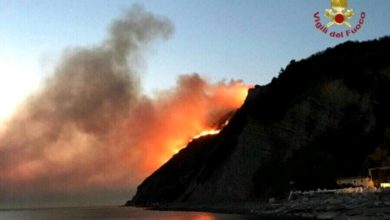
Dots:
{"x": 319, "y": 120}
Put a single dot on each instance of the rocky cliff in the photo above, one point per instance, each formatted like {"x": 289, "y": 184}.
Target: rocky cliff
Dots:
{"x": 320, "y": 119}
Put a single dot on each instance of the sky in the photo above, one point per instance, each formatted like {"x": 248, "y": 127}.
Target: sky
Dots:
{"x": 221, "y": 40}
{"x": 248, "y": 40}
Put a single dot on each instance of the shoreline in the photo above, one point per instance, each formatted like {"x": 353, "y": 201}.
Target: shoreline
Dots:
{"x": 356, "y": 205}
{"x": 249, "y": 209}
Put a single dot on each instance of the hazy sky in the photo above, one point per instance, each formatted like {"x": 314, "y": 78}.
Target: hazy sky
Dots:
{"x": 248, "y": 40}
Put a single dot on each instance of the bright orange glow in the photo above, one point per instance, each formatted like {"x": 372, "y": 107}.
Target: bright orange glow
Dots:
{"x": 190, "y": 116}
{"x": 230, "y": 96}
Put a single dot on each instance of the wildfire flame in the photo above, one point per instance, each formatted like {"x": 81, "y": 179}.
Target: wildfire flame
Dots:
{"x": 206, "y": 132}
{"x": 203, "y": 133}
{"x": 239, "y": 94}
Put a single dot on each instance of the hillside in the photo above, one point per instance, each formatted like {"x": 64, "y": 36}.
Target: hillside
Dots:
{"x": 322, "y": 118}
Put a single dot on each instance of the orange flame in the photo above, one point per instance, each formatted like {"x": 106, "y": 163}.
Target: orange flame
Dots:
{"x": 176, "y": 150}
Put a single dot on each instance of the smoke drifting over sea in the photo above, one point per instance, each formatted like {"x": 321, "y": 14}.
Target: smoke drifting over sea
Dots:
{"x": 90, "y": 128}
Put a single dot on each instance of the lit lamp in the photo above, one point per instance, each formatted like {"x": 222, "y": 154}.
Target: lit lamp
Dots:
{"x": 385, "y": 185}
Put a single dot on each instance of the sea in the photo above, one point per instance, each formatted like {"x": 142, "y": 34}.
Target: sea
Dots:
{"x": 114, "y": 213}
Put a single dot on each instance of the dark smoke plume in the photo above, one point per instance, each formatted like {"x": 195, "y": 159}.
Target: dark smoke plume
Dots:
{"x": 89, "y": 128}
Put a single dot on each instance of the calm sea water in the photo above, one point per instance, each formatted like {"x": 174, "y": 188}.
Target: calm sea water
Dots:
{"x": 112, "y": 213}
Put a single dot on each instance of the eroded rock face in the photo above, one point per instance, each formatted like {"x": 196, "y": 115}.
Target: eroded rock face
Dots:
{"x": 317, "y": 121}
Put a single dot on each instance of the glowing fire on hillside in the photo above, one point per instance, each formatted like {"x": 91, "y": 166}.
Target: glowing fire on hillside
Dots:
{"x": 203, "y": 118}
{"x": 203, "y": 133}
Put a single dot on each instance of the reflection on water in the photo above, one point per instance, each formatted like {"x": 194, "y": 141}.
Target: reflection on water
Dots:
{"x": 112, "y": 213}
{"x": 205, "y": 216}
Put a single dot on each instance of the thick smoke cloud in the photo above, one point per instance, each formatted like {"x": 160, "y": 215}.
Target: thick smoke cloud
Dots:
{"x": 90, "y": 128}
